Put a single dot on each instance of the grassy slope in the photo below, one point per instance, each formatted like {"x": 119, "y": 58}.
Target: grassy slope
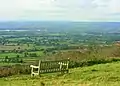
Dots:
{"x": 97, "y": 75}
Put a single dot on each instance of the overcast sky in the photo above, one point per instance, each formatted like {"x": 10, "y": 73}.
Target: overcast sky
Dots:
{"x": 73, "y": 10}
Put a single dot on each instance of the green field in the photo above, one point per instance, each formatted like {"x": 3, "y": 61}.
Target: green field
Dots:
{"x": 97, "y": 75}
{"x": 2, "y": 55}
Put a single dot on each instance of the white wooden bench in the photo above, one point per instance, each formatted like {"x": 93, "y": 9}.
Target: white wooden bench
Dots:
{"x": 50, "y": 67}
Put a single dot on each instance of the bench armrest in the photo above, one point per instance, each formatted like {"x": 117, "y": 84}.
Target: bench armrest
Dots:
{"x": 34, "y": 66}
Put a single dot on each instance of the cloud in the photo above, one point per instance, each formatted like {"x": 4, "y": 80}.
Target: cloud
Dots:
{"x": 59, "y": 9}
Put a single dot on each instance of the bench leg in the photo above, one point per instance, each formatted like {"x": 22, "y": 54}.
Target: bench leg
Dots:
{"x": 32, "y": 75}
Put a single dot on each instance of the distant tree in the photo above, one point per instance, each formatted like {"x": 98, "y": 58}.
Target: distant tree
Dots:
{"x": 2, "y": 51}
{"x": 18, "y": 56}
{"x": 6, "y": 58}
{"x": 28, "y": 45}
{"x": 19, "y": 48}
{"x": 25, "y": 54}
{"x": 21, "y": 60}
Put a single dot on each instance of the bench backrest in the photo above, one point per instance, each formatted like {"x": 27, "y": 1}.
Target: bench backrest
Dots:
{"x": 54, "y": 66}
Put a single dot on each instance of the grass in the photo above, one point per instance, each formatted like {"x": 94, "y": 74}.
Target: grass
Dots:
{"x": 97, "y": 75}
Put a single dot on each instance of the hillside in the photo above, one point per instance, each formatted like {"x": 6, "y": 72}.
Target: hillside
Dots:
{"x": 97, "y": 75}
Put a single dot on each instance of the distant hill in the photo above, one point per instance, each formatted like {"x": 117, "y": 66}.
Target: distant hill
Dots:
{"x": 62, "y": 26}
